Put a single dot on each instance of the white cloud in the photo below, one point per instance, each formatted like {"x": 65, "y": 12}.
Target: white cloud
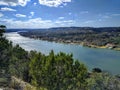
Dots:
{"x": 1, "y": 15}
{"x": 31, "y": 23}
{"x": 32, "y": 14}
{"x": 29, "y": 17}
{"x": 34, "y": 4}
{"x": 20, "y": 15}
{"x": 69, "y": 13}
{"x": 23, "y": 2}
{"x": 3, "y": 3}
{"x": 7, "y": 9}
{"x": 89, "y": 21}
{"x": 53, "y": 3}
{"x": 14, "y": 2}
{"x": 68, "y": 21}
{"x": 61, "y": 18}
{"x": 35, "y": 23}
{"x": 64, "y": 22}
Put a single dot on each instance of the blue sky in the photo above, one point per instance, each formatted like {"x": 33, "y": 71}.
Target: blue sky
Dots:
{"x": 59, "y": 13}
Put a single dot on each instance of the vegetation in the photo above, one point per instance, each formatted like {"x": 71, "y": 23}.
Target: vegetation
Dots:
{"x": 87, "y": 36}
{"x": 103, "y": 81}
{"x": 49, "y": 72}
{"x": 57, "y": 72}
{"x": 2, "y": 29}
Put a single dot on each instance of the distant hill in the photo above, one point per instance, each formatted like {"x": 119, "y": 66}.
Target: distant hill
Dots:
{"x": 101, "y": 29}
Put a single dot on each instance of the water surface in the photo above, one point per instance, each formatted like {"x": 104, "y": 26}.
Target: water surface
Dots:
{"x": 107, "y": 60}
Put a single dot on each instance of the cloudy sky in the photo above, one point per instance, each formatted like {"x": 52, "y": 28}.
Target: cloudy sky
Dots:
{"x": 59, "y": 13}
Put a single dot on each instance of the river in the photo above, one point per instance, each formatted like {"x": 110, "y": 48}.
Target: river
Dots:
{"x": 107, "y": 60}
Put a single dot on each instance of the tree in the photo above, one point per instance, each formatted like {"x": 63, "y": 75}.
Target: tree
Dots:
{"x": 103, "y": 81}
{"x": 2, "y": 29}
{"x": 19, "y": 62}
{"x": 57, "y": 72}
{"x": 5, "y": 49}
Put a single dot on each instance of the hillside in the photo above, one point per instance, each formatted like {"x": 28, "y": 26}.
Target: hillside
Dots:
{"x": 108, "y": 37}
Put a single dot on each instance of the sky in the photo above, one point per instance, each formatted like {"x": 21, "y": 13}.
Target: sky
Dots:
{"x": 59, "y": 13}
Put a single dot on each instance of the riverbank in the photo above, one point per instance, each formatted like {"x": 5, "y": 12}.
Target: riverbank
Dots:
{"x": 90, "y": 37}
{"x": 82, "y": 43}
